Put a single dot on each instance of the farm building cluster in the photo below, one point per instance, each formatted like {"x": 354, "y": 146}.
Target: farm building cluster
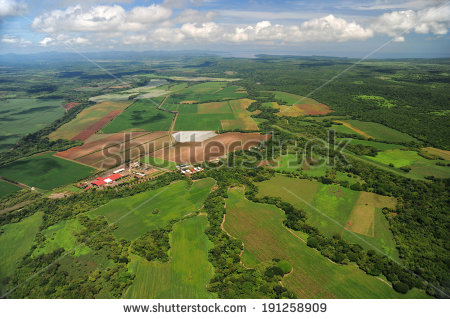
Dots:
{"x": 189, "y": 169}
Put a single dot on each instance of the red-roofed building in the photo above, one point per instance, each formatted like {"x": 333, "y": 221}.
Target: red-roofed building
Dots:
{"x": 98, "y": 182}
{"x": 106, "y": 180}
{"x": 114, "y": 176}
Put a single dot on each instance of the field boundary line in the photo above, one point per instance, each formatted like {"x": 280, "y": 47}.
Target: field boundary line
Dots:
{"x": 76, "y": 162}
{"x": 81, "y": 244}
{"x": 354, "y": 129}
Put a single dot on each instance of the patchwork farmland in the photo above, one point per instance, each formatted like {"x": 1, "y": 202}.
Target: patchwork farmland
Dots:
{"x": 260, "y": 228}
{"x": 90, "y": 119}
{"x": 356, "y": 216}
{"x": 210, "y": 149}
{"x": 130, "y": 173}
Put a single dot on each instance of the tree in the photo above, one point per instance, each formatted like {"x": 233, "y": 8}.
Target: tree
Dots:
{"x": 400, "y": 287}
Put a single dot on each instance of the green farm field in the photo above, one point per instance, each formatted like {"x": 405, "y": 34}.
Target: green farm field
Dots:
{"x": 16, "y": 241}
{"x": 134, "y": 214}
{"x": 291, "y": 99}
{"x": 378, "y": 145}
{"x": 45, "y": 171}
{"x": 7, "y": 188}
{"x": 201, "y": 122}
{"x": 260, "y": 227}
{"x": 19, "y": 117}
{"x": 227, "y": 115}
{"x": 333, "y": 209}
{"x": 187, "y": 272}
{"x": 141, "y": 115}
{"x": 374, "y": 130}
{"x": 86, "y": 118}
{"x": 420, "y": 167}
{"x": 208, "y": 92}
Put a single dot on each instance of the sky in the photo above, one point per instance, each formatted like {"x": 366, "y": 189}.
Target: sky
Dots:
{"x": 401, "y": 28}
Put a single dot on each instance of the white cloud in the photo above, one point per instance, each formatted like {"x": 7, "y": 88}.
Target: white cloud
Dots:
{"x": 156, "y": 24}
{"x": 11, "y": 39}
{"x": 150, "y": 14}
{"x": 100, "y": 19}
{"x": 46, "y": 41}
{"x": 207, "y": 30}
{"x": 435, "y": 20}
{"x": 329, "y": 28}
{"x": 9, "y": 8}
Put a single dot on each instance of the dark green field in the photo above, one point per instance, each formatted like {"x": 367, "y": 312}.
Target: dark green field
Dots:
{"x": 7, "y": 188}
{"x": 134, "y": 214}
{"x": 45, "y": 171}
{"x": 141, "y": 115}
{"x": 19, "y": 117}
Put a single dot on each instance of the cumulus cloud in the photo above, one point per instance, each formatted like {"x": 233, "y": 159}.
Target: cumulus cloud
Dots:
{"x": 435, "y": 20}
{"x": 208, "y": 30}
{"x": 156, "y": 24}
{"x": 46, "y": 41}
{"x": 101, "y": 19}
{"x": 329, "y": 28}
{"x": 10, "y": 8}
{"x": 11, "y": 39}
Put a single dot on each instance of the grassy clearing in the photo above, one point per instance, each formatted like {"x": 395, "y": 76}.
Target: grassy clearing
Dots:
{"x": 398, "y": 158}
{"x": 292, "y": 99}
{"x": 45, "y": 171}
{"x": 377, "y": 100}
{"x": 7, "y": 188}
{"x": 20, "y": 117}
{"x": 313, "y": 276}
{"x": 334, "y": 210}
{"x": 159, "y": 162}
{"x": 187, "y": 272}
{"x": 375, "y": 130}
{"x": 378, "y": 145}
{"x": 420, "y": 167}
{"x": 86, "y": 118}
{"x": 142, "y": 115}
{"x": 288, "y": 163}
{"x": 62, "y": 235}
{"x": 16, "y": 241}
{"x": 135, "y": 212}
